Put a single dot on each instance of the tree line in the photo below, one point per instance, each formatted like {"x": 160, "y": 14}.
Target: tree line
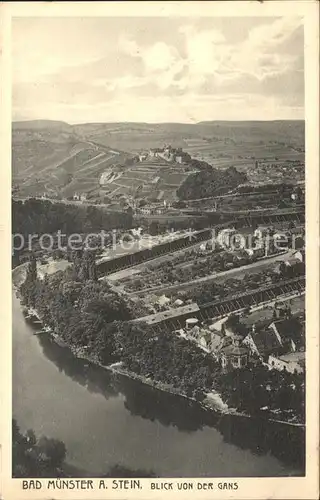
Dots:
{"x": 82, "y": 311}
{"x": 36, "y": 457}
{"x": 257, "y": 390}
{"x": 88, "y": 315}
{"x": 45, "y": 457}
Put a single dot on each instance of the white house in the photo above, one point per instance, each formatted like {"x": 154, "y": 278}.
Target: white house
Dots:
{"x": 256, "y": 252}
{"x": 292, "y": 362}
{"x": 163, "y": 300}
{"x": 300, "y": 255}
{"x": 143, "y": 156}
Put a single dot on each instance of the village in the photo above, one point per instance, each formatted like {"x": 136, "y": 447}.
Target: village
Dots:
{"x": 270, "y": 331}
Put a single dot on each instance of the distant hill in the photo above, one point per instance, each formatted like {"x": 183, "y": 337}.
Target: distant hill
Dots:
{"x": 137, "y": 136}
{"x": 50, "y": 157}
{"x": 41, "y": 124}
{"x": 56, "y": 157}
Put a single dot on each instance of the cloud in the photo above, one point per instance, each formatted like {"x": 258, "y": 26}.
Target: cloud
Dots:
{"x": 273, "y": 34}
{"x": 117, "y": 65}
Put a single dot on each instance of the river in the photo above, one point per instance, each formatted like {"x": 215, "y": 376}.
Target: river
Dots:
{"x": 107, "y": 420}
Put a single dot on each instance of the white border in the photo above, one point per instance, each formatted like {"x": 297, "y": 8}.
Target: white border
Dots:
{"x": 249, "y": 488}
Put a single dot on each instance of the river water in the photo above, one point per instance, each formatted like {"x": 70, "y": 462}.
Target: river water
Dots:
{"x": 107, "y": 420}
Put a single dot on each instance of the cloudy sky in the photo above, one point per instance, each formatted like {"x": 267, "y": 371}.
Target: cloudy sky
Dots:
{"x": 157, "y": 69}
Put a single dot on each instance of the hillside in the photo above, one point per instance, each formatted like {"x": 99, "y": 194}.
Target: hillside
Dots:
{"x": 60, "y": 159}
{"x": 50, "y": 157}
{"x": 200, "y": 137}
{"x": 42, "y": 124}
{"x": 211, "y": 182}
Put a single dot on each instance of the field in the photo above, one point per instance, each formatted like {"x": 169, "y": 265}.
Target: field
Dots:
{"x": 150, "y": 179}
{"x": 50, "y": 158}
{"x": 60, "y": 159}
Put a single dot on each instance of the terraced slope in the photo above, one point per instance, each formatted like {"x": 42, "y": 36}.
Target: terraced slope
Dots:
{"x": 53, "y": 159}
{"x": 61, "y": 159}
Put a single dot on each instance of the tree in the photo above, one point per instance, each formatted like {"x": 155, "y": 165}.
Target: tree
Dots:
{"x": 35, "y": 458}
{"x": 51, "y": 451}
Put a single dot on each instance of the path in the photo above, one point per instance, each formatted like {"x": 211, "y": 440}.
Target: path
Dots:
{"x": 260, "y": 264}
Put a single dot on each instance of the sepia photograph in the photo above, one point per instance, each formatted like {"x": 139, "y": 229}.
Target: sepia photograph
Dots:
{"x": 159, "y": 241}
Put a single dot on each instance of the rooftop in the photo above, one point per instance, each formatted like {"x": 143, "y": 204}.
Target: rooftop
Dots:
{"x": 264, "y": 227}
{"x": 146, "y": 241}
{"x": 153, "y": 319}
{"x": 294, "y": 357}
{"x": 266, "y": 341}
{"x": 232, "y": 350}
{"x": 293, "y": 261}
{"x": 289, "y": 328}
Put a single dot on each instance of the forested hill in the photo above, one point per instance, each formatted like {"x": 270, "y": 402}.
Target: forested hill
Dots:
{"x": 210, "y": 182}
{"x": 42, "y": 216}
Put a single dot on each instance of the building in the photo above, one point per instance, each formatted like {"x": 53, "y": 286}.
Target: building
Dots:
{"x": 153, "y": 209}
{"x": 208, "y": 338}
{"x": 163, "y": 300}
{"x": 300, "y": 255}
{"x": 263, "y": 231}
{"x": 294, "y": 266}
{"x": 136, "y": 233}
{"x": 160, "y": 210}
{"x": 263, "y": 343}
{"x": 153, "y": 152}
{"x": 239, "y": 258}
{"x": 217, "y": 337}
{"x": 146, "y": 210}
{"x": 292, "y": 262}
{"x": 291, "y": 267}
{"x": 178, "y": 303}
{"x": 205, "y": 338}
{"x": 255, "y": 253}
{"x": 234, "y": 355}
{"x": 191, "y": 324}
{"x": 171, "y": 319}
{"x": 289, "y": 333}
{"x": 292, "y": 363}
{"x": 225, "y": 237}
{"x": 143, "y": 156}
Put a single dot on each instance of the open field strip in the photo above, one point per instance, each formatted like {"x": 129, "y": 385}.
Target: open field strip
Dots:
{"x": 237, "y": 273}
{"x": 95, "y": 165}
{"x": 139, "y": 268}
{"x": 114, "y": 191}
{"x": 94, "y": 159}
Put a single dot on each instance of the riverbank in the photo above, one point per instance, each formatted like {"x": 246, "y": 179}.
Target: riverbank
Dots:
{"x": 211, "y": 402}
{"x": 106, "y": 419}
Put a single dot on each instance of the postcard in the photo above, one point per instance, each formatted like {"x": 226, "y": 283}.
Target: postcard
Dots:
{"x": 160, "y": 250}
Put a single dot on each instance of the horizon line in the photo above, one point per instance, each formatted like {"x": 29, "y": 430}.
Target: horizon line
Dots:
{"x": 26, "y": 120}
